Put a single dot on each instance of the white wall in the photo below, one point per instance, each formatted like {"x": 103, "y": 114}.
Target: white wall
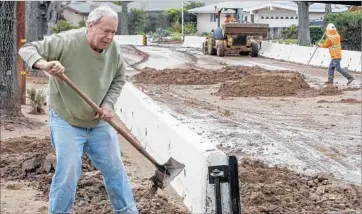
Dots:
{"x": 72, "y": 17}
{"x": 204, "y": 24}
{"x": 280, "y": 13}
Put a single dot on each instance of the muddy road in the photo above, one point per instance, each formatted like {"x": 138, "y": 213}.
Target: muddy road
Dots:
{"x": 310, "y": 133}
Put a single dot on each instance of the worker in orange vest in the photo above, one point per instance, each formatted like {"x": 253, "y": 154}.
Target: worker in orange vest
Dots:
{"x": 333, "y": 42}
{"x": 229, "y": 19}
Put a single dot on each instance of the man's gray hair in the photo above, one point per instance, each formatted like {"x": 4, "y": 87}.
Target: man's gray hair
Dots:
{"x": 99, "y": 12}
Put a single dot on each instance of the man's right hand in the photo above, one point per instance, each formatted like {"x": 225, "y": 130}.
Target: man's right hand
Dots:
{"x": 54, "y": 68}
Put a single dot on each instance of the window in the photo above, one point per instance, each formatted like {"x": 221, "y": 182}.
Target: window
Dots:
{"x": 272, "y": 17}
{"x": 296, "y": 17}
{"x": 286, "y": 17}
{"x": 292, "y": 17}
{"x": 262, "y": 17}
{"x": 281, "y": 17}
{"x": 213, "y": 17}
{"x": 267, "y": 17}
{"x": 276, "y": 17}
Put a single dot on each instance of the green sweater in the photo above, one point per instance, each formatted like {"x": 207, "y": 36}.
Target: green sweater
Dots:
{"x": 98, "y": 75}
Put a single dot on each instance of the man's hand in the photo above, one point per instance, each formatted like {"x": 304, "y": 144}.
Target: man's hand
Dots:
{"x": 54, "y": 68}
{"x": 107, "y": 114}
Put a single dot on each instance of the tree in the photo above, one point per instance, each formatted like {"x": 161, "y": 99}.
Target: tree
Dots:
{"x": 123, "y": 17}
{"x": 328, "y": 9}
{"x": 303, "y": 23}
{"x": 9, "y": 96}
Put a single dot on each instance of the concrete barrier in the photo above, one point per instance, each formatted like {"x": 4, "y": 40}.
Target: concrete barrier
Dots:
{"x": 193, "y": 41}
{"x": 163, "y": 136}
{"x": 128, "y": 39}
{"x": 300, "y": 54}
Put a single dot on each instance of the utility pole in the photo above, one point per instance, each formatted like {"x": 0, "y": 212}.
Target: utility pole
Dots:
{"x": 182, "y": 20}
{"x": 20, "y": 41}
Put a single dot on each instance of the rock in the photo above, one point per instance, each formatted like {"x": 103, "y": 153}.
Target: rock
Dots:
{"x": 314, "y": 197}
{"x": 49, "y": 162}
{"x": 325, "y": 182}
{"x": 321, "y": 190}
{"x": 311, "y": 184}
{"x": 28, "y": 165}
{"x": 324, "y": 176}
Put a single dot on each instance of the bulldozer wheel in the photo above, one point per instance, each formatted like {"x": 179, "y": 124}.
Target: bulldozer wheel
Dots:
{"x": 211, "y": 50}
{"x": 254, "y": 49}
{"x": 204, "y": 48}
{"x": 220, "y": 51}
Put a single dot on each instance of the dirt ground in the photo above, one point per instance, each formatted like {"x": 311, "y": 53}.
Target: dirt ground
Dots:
{"x": 27, "y": 164}
{"x": 285, "y": 119}
{"x": 237, "y": 81}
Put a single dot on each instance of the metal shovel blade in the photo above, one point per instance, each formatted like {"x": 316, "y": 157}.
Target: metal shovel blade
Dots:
{"x": 165, "y": 173}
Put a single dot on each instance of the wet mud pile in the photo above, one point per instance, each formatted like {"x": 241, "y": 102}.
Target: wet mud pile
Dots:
{"x": 267, "y": 84}
{"x": 279, "y": 190}
{"x": 32, "y": 159}
{"x": 187, "y": 76}
{"x": 237, "y": 81}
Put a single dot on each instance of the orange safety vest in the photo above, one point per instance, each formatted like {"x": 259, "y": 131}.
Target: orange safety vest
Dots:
{"x": 333, "y": 42}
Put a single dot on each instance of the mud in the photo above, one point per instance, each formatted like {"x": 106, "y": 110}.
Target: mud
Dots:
{"x": 11, "y": 123}
{"x": 268, "y": 84}
{"x": 279, "y": 190}
{"x": 192, "y": 76}
{"x": 32, "y": 159}
{"x": 263, "y": 189}
{"x": 238, "y": 81}
{"x": 347, "y": 100}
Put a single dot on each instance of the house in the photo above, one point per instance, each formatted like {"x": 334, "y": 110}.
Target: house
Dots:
{"x": 78, "y": 11}
{"x": 278, "y": 14}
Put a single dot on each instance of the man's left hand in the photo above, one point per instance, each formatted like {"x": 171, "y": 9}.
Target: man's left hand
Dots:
{"x": 107, "y": 114}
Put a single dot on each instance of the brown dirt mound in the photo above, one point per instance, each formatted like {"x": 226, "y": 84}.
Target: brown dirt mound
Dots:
{"x": 32, "y": 159}
{"x": 266, "y": 84}
{"x": 279, "y": 190}
{"x": 238, "y": 81}
{"x": 347, "y": 100}
{"x": 193, "y": 76}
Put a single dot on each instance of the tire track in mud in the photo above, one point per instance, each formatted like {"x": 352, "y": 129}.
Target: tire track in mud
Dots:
{"x": 144, "y": 55}
{"x": 293, "y": 142}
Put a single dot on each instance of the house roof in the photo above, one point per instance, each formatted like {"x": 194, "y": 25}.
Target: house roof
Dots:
{"x": 162, "y": 5}
{"x": 257, "y": 5}
{"x": 85, "y": 7}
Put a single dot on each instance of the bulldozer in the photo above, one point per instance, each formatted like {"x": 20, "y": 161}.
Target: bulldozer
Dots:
{"x": 235, "y": 37}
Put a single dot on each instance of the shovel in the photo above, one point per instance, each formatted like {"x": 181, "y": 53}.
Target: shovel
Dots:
{"x": 165, "y": 173}
{"x": 305, "y": 68}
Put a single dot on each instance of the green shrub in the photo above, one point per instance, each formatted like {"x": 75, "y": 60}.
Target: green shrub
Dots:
{"x": 290, "y": 33}
{"x": 316, "y": 32}
{"x": 348, "y": 25}
{"x": 37, "y": 99}
{"x": 63, "y": 25}
{"x": 189, "y": 28}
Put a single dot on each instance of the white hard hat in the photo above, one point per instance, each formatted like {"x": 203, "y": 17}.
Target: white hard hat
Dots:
{"x": 331, "y": 26}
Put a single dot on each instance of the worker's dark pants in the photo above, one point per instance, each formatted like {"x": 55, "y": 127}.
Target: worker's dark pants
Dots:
{"x": 336, "y": 65}
{"x": 102, "y": 147}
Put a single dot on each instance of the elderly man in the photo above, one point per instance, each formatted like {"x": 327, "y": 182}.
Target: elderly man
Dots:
{"x": 93, "y": 61}
{"x": 333, "y": 42}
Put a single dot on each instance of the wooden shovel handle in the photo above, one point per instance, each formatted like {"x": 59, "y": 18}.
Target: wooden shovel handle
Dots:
{"x": 112, "y": 122}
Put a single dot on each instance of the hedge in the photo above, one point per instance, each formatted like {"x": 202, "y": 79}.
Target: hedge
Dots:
{"x": 348, "y": 25}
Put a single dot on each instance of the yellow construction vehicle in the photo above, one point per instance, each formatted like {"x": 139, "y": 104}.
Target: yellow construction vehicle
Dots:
{"x": 235, "y": 37}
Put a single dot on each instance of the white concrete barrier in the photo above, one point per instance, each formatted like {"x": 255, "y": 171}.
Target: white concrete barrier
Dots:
{"x": 163, "y": 136}
{"x": 128, "y": 39}
{"x": 300, "y": 54}
{"x": 193, "y": 41}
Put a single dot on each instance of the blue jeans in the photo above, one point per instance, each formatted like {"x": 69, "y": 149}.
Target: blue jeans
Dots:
{"x": 102, "y": 147}
{"x": 336, "y": 65}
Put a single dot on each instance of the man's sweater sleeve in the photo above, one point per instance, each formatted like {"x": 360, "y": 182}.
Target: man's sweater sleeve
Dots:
{"x": 116, "y": 86}
{"x": 48, "y": 49}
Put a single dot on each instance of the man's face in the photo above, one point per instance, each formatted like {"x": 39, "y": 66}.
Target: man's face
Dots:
{"x": 102, "y": 33}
